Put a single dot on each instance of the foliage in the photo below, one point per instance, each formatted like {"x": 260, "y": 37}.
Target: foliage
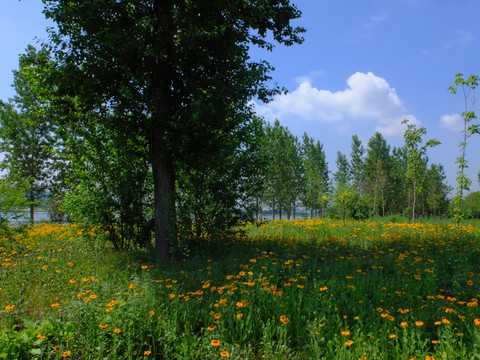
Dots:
{"x": 471, "y": 205}
{"x": 289, "y": 289}
{"x": 220, "y": 192}
{"x": 112, "y": 189}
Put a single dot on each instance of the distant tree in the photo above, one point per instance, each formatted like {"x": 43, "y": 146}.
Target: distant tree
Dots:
{"x": 400, "y": 195}
{"x": 12, "y": 199}
{"x": 471, "y": 205}
{"x": 357, "y": 166}
{"x": 343, "y": 175}
{"x": 377, "y": 170}
{"x": 436, "y": 191}
{"x": 415, "y": 152}
{"x": 316, "y": 180}
{"x": 284, "y": 177}
{"x": 470, "y": 97}
{"x": 26, "y": 130}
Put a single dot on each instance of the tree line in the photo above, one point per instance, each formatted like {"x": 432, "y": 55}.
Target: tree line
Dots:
{"x": 371, "y": 180}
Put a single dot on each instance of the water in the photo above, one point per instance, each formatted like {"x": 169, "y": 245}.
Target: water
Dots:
{"x": 25, "y": 219}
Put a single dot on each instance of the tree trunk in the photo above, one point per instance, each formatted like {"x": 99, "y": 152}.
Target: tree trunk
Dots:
{"x": 32, "y": 214}
{"x": 162, "y": 110}
{"x": 164, "y": 198}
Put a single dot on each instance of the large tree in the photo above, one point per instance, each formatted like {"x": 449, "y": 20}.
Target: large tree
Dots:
{"x": 178, "y": 70}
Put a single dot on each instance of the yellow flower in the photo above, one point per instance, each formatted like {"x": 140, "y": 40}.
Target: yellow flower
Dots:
{"x": 240, "y": 304}
{"x": 217, "y": 316}
{"x": 57, "y": 348}
{"x": 345, "y": 333}
{"x": 211, "y": 328}
{"x": 215, "y": 343}
{"x": 225, "y": 354}
{"x": 102, "y": 326}
{"x": 419, "y": 323}
{"x": 392, "y": 336}
{"x": 403, "y": 324}
{"x": 239, "y": 316}
{"x": 348, "y": 343}
{"x": 66, "y": 353}
{"x": 476, "y": 322}
{"x": 117, "y": 331}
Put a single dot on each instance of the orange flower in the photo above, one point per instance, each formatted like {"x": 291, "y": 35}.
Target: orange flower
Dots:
{"x": 284, "y": 319}
{"x": 215, "y": 343}
{"x": 146, "y": 352}
{"x": 102, "y": 326}
{"x": 403, "y": 324}
{"x": 345, "y": 333}
{"x": 419, "y": 323}
{"x": 9, "y": 307}
{"x": 66, "y": 353}
{"x": 348, "y": 343}
{"x": 40, "y": 336}
{"x": 151, "y": 312}
{"x": 117, "y": 331}
{"x": 392, "y": 336}
{"x": 225, "y": 354}
{"x": 239, "y": 316}
{"x": 55, "y": 305}
{"x": 476, "y": 322}
{"x": 211, "y": 328}
{"x": 57, "y": 348}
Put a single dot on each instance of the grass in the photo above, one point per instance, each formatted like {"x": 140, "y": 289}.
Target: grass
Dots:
{"x": 307, "y": 289}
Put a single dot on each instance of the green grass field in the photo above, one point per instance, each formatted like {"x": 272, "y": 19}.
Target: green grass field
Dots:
{"x": 301, "y": 289}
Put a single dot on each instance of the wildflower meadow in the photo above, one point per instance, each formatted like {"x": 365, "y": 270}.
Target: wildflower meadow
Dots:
{"x": 300, "y": 289}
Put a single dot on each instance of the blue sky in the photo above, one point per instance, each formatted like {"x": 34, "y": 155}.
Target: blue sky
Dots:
{"x": 365, "y": 65}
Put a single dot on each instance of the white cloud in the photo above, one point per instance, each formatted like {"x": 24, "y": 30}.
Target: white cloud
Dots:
{"x": 452, "y": 122}
{"x": 312, "y": 75}
{"x": 367, "y": 96}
